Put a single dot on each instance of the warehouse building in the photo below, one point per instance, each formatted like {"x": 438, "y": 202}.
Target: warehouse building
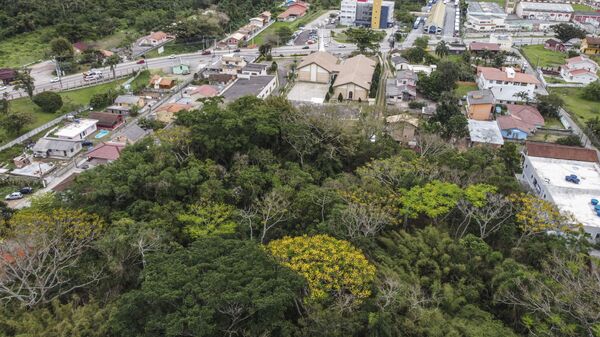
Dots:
{"x": 485, "y": 16}
{"x": 548, "y": 11}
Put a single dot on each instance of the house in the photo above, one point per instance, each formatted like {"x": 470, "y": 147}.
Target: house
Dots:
{"x": 485, "y": 133}
{"x": 107, "y": 120}
{"x": 505, "y": 41}
{"x": 129, "y": 101}
{"x": 266, "y": 16}
{"x": 403, "y": 128}
{"x": 480, "y": 105}
{"x": 232, "y": 64}
{"x": 506, "y": 84}
{"x": 250, "y": 29}
{"x": 203, "y": 91}
{"x": 236, "y": 38}
{"x": 77, "y": 130}
{"x": 105, "y": 153}
{"x": 573, "y": 44}
{"x": 403, "y": 88}
{"x": 80, "y": 47}
{"x": 220, "y": 79}
{"x": 400, "y": 63}
{"x": 258, "y": 21}
{"x": 587, "y": 17}
{"x": 294, "y": 11}
{"x": 579, "y": 69}
{"x": 182, "y": 69}
{"x": 154, "y": 39}
{"x": 547, "y": 11}
{"x": 555, "y": 45}
{"x": 166, "y": 113}
{"x": 353, "y": 81}
{"x": 7, "y": 75}
{"x": 520, "y": 121}
{"x": 423, "y": 68}
{"x": 317, "y": 67}
{"x": 56, "y": 147}
{"x": 258, "y": 86}
{"x": 254, "y": 69}
{"x": 545, "y": 168}
{"x": 481, "y": 47}
{"x": 158, "y": 82}
{"x": 590, "y": 45}
{"x": 106, "y": 53}
{"x": 131, "y": 134}
{"x": 118, "y": 110}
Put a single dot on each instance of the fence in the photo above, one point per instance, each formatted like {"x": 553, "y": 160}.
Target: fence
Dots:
{"x": 39, "y": 129}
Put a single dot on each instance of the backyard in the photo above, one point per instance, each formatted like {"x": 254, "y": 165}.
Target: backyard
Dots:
{"x": 538, "y": 56}
{"x": 72, "y": 100}
{"x": 293, "y": 25}
{"x": 464, "y": 87}
{"x": 577, "y": 106}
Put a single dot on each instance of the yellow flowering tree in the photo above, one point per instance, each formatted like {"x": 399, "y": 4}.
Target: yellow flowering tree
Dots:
{"x": 332, "y": 267}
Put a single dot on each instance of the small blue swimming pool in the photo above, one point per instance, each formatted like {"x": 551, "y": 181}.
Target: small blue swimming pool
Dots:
{"x": 102, "y": 133}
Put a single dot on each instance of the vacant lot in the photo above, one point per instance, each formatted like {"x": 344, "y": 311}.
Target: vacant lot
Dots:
{"x": 259, "y": 39}
{"x": 579, "y": 107}
{"x": 23, "y": 49}
{"x": 464, "y": 87}
{"x": 538, "y": 56}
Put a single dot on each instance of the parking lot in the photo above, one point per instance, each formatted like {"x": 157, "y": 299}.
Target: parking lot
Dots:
{"x": 306, "y": 36}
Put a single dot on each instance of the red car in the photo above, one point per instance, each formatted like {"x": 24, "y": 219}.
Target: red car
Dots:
{"x": 206, "y": 52}
{"x": 142, "y": 61}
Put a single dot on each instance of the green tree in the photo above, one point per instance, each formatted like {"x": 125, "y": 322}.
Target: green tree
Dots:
{"x": 61, "y": 48}
{"x": 14, "y": 122}
{"x": 442, "y": 50}
{"x": 365, "y": 38}
{"x": 415, "y": 54}
{"x": 509, "y": 153}
{"x": 592, "y": 91}
{"x": 571, "y": 140}
{"x": 206, "y": 219}
{"x": 284, "y": 33}
{"x": 549, "y": 105}
{"x": 215, "y": 287}
{"x": 421, "y": 42}
{"x": 48, "y": 101}
{"x": 112, "y": 61}
{"x": 25, "y": 82}
{"x": 434, "y": 199}
{"x": 567, "y": 31}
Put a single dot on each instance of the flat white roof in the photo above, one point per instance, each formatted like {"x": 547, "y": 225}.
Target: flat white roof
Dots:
{"x": 485, "y": 132}
{"x": 74, "y": 129}
{"x": 570, "y": 197}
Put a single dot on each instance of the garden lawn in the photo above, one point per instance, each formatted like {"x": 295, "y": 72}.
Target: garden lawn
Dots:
{"x": 578, "y": 107}
{"x": 464, "y": 87}
{"x": 582, "y": 8}
{"x": 72, "y": 100}
{"x": 259, "y": 39}
{"x": 340, "y": 38}
{"x": 547, "y": 58}
{"x": 23, "y": 49}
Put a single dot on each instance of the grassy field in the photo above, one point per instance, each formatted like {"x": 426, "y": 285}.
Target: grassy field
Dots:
{"x": 176, "y": 48}
{"x": 547, "y": 58}
{"x": 464, "y": 87}
{"x": 582, "y": 8}
{"x": 579, "y": 107}
{"x": 341, "y": 38}
{"x": 23, "y": 49}
{"x": 259, "y": 39}
{"x": 115, "y": 40}
{"x": 71, "y": 101}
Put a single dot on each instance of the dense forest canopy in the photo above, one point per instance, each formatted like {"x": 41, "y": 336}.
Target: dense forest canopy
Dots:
{"x": 257, "y": 218}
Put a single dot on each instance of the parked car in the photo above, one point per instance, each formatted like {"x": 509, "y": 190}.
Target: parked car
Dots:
{"x": 305, "y": 47}
{"x": 87, "y": 143}
{"x": 26, "y": 190}
{"x": 14, "y": 196}
{"x": 206, "y": 52}
{"x": 54, "y": 80}
{"x": 341, "y": 46}
{"x": 142, "y": 61}
{"x": 172, "y": 56}
{"x": 237, "y": 50}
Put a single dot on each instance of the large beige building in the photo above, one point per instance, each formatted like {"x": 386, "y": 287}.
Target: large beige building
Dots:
{"x": 352, "y": 77}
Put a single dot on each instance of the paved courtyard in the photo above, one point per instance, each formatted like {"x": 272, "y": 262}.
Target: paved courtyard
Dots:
{"x": 308, "y": 92}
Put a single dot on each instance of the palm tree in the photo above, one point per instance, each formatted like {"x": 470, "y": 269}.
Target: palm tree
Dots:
{"x": 112, "y": 62}
{"x": 442, "y": 50}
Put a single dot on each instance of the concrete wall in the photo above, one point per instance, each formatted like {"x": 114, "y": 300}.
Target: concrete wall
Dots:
{"x": 346, "y": 89}
{"x": 313, "y": 73}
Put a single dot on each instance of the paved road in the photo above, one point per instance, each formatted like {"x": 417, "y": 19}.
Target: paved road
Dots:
{"x": 449, "y": 20}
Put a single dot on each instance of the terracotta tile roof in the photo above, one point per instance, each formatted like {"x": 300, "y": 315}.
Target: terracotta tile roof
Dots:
{"x": 358, "y": 70}
{"x": 480, "y": 46}
{"x": 526, "y": 113}
{"x": 495, "y": 74}
{"x": 322, "y": 59}
{"x": 593, "y": 39}
{"x": 555, "y": 151}
{"x": 511, "y": 122}
{"x": 205, "y": 90}
{"x": 158, "y": 35}
{"x": 297, "y": 9}
{"x": 107, "y": 151}
{"x": 106, "y": 119}
{"x": 581, "y": 72}
{"x": 175, "y": 107}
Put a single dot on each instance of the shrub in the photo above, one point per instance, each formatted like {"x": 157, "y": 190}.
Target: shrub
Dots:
{"x": 48, "y": 101}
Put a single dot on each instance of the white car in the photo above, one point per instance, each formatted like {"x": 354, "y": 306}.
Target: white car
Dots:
{"x": 14, "y": 196}
{"x": 2, "y": 88}
{"x": 54, "y": 80}
{"x": 172, "y": 56}
{"x": 341, "y": 46}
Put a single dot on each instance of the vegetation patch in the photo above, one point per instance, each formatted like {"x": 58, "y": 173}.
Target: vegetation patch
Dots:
{"x": 539, "y": 56}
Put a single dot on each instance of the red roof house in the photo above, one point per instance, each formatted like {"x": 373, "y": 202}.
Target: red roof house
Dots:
{"x": 293, "y": 12}
{"x": 555, "y": 151}
{"x": 106, "y": 152}
{"x": 7, "y": 75}
{"x": 478, "y": 47}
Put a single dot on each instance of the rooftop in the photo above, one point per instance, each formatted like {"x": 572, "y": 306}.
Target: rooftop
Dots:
{"x": 357, "y": 70}
{"x": 406, "y": 74}
{"x": 506, "y": 74}
{"x": 106, "y": 151}
{"x": 479, "y": 46}
{"x": 546, "y": 7}
{"x": 480, "y": 97}
{"x": 555, "y": 151}
{"x": 75, "y": 128}
{"x": 127, "y": 99}
{"x": 484, "y": 7}
{"x": 251, "y": 86}
{"x": 46, "y": 143}
{"x": 255, "y": 67}
{"x": 322, "y": 59}
{"x": 485, "y": 132}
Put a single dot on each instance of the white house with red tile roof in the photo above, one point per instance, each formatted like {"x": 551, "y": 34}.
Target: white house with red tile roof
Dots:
{"x": 520, "y": 121}
{"x": 506, "y": 83}
{"x": 579, "y": 69}
{"x": 154, "y": 39}
{"x": 293, "y": 12}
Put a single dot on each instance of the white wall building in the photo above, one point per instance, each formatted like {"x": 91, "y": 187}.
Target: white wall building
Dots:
{"x": 358, "y": 13}
{"x": 548, "y": 11}
{"x": 485, "y": 16}
{"x": 545, "y": 167}
{"x": 77, "y": 130}
{"x": 506, "y": 83}
{"x": 579, "y": 69}
{"x": 348, "y": 12}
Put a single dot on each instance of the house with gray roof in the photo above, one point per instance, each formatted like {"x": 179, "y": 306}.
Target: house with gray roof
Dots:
{"x": 56, "y": 147}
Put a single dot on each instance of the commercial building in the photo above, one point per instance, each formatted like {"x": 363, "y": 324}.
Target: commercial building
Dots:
{"x": 258, "y": 86}
{"x": 375, "y": 14}
{"x": 587, "y": 17}
{"x": 506, "y": 84}
{"x": 485, "y": 16}
{"x": 548, "y": 11}
{"x": 545, "y": 169}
